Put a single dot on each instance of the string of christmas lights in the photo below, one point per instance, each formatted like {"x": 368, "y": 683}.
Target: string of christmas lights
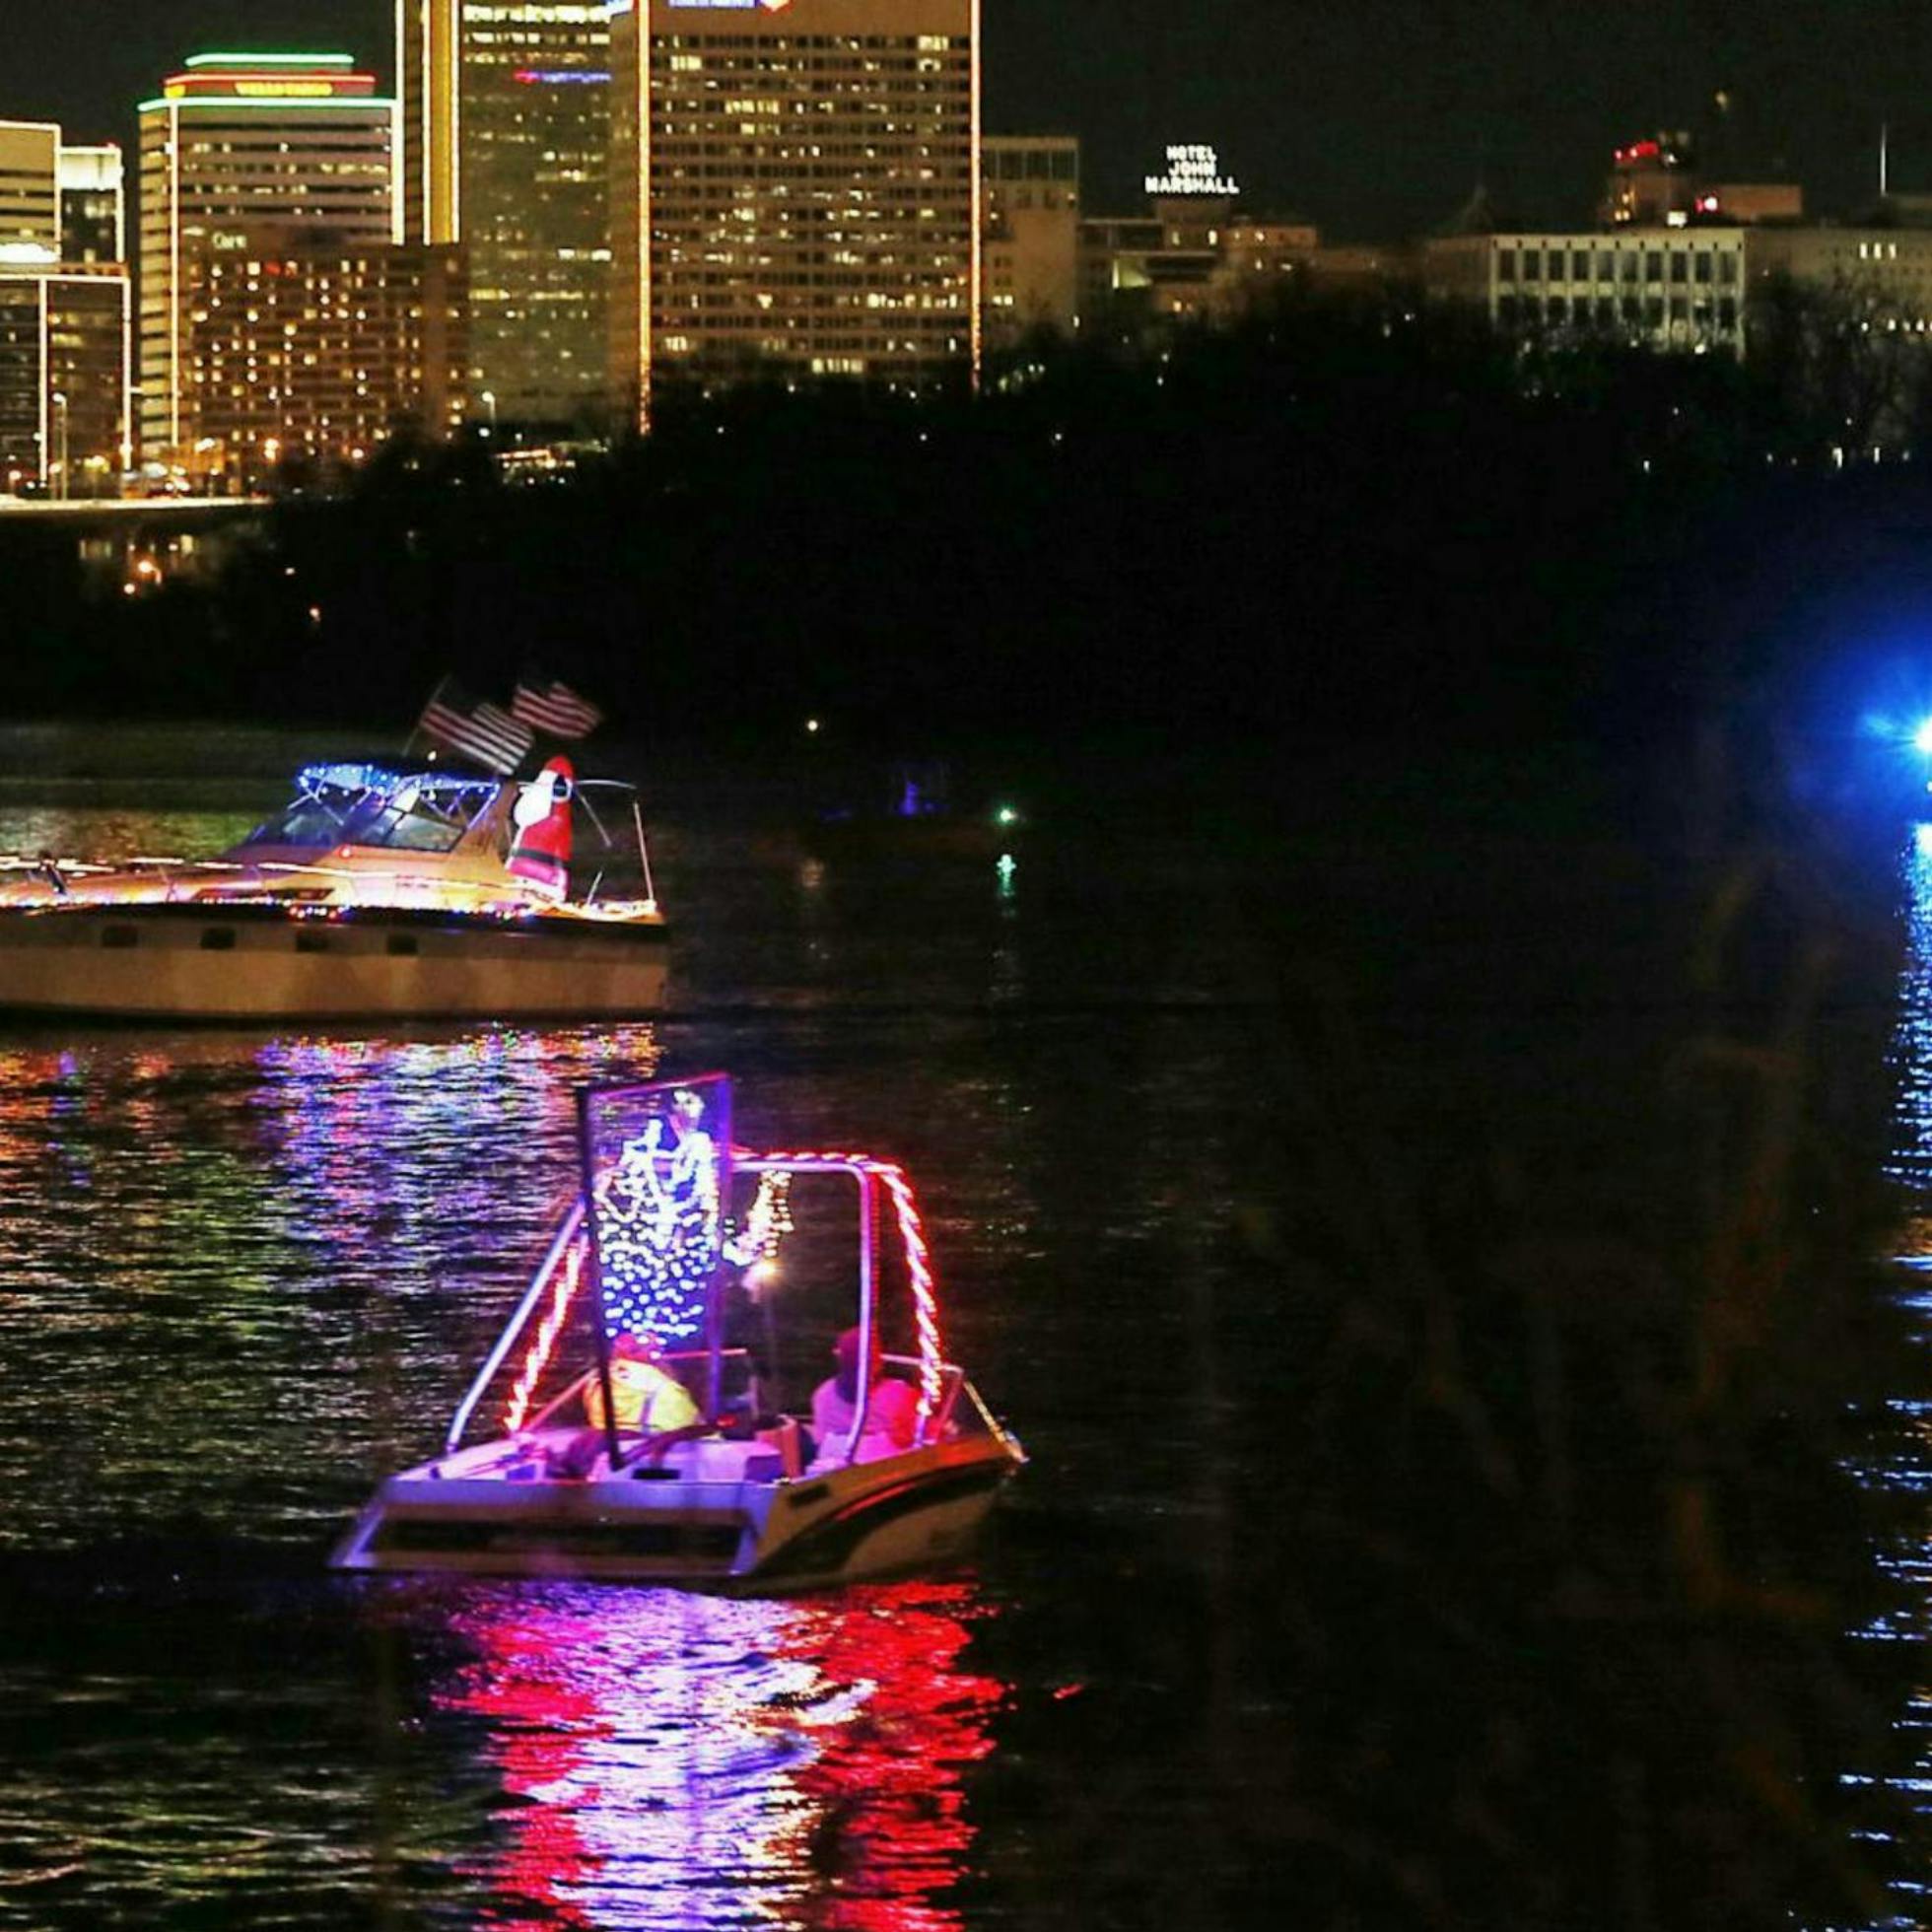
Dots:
{"x": 926, "y": 1302}
{"x": 537, "y": 1357}
{"x": 661, "y": 1238}
{"x": 661, "y": 1230}
{"x": 919, "y": 1260}
{"x": 766, "y": 1224}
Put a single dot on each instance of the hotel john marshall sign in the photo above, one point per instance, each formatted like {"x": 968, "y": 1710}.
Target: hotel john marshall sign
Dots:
{"x": 1194, "y": 170}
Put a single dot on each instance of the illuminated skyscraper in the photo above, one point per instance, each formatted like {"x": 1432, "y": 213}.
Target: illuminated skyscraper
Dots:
{"x": 302, "y": 347}
{"x": 506, "y": 148}
{"x": 795, "y": 191}
{"x": 65, "y": 379}
{"x": 30, "y": 193}
{"x": 93, "y": 204}
{"x": 240, "y": 139}
{"x": 59, "y": 202}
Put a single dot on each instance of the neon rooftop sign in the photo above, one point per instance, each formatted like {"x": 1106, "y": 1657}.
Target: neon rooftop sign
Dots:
{"x": 1194, "y": 169}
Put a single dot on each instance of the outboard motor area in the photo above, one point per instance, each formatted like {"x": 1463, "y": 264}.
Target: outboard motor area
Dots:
{"x": 542, "y": 815}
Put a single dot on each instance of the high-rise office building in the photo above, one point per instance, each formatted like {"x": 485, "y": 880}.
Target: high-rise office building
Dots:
{"x": 300, "y": 346}
{"x": 64, "y": 316}
{"x": 93, "y": 204}
{"x": 506, "y": 148}
{"x": 795, "y": 192}
{"x": 29, "y": 191}
{"x": 240, "y": 139}
{"x": 64, "y": 378}
{"x": 59, "y": 202}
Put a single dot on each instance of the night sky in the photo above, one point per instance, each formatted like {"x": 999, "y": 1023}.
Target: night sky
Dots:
{"x": 1373, "y": 117}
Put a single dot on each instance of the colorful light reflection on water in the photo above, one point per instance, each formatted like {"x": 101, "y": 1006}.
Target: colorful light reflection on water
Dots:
{"x": 671, "y": 1762}
{"x": 307, "y": 1240}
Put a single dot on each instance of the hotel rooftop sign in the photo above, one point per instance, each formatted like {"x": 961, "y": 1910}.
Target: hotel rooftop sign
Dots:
{"x": 1194, "y": 170}
{"x": 284, "y": 79}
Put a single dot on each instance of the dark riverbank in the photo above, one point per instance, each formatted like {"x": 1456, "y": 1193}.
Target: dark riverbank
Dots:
{"x": 1368, "y": 527}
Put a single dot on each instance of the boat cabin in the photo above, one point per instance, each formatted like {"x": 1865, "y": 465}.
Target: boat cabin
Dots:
{"x": 350, "y": 805}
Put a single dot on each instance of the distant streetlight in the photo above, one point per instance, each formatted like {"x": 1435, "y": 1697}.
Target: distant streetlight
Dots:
{"x": 489, "y": 400}
{"x": 60, "y": 444}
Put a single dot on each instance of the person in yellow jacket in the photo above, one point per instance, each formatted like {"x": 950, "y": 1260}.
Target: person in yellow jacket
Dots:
{"x": 648, "y": 1398}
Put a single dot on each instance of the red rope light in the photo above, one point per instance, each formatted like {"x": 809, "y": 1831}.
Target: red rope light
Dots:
{"x": 926, "y": 1299}
{"x": 918, "y": 1269}
{"x": 544, "y": 1341}
{"x": 919, "y": 1260}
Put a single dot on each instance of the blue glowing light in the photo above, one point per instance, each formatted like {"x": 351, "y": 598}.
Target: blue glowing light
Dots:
{"x": 314, "y": 778}
{"x": 1923, "y": 738}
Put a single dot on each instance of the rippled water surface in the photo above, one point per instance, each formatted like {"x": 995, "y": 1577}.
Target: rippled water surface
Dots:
{"x": 243, "y": 1273}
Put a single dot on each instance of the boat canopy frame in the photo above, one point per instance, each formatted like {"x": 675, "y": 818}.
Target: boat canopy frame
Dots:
{"x": 556, "y": 1286}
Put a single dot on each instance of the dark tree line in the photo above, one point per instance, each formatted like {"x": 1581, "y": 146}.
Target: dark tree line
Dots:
{"x": 1368, "y": 523}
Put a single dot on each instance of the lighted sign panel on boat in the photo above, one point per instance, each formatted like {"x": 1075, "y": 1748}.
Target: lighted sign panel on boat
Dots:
{"x": 659, "y": 1176}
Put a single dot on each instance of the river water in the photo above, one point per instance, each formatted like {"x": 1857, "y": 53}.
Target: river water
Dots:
{"x": 245, "y": 1273}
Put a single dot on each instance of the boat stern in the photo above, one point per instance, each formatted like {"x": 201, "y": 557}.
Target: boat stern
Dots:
{"x": 504, "y": 1511}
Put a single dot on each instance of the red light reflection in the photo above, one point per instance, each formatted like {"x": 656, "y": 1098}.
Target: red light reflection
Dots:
{"x": 693, "y": 1762}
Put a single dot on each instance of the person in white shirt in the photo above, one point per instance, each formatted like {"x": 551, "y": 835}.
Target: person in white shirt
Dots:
{"x": 891, "y": 1408}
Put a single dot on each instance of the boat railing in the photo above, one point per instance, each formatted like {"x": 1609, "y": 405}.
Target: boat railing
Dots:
{"x": 991, "y": 1423}
{"x": 512, "y": 1329}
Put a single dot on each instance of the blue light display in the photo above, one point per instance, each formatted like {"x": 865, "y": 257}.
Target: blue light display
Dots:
{"x": 659, "y": 1209}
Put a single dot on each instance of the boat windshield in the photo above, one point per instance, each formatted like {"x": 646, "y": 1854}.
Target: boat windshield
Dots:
{"x": 361, "y": 806}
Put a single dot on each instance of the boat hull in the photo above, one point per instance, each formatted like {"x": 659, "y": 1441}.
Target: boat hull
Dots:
{"x": 698, "y": 1524}
{"x": 245, "y": 963}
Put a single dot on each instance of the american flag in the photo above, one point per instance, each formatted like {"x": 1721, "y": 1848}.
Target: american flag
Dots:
{"x": 484, "y": 733}
{"x": 555, "y": 710}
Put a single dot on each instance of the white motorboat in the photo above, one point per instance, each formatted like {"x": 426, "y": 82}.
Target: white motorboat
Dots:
{"x": 376, "y": 893}
{"x": 728, "y": 1269}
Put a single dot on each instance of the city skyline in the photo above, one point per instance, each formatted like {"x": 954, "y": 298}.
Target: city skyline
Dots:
{"x": 1375, "y": 120}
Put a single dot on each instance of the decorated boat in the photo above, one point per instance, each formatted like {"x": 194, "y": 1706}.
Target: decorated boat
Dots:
{"x": 428, "y": 887}
{"x": 728, "y": 1372}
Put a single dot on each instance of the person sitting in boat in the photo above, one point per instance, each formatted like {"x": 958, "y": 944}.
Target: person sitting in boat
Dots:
{"x": 891, "y": 1408}
{"x": 649, "y": 1399}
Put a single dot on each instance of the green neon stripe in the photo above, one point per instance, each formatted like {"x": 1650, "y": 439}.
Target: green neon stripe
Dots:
{"x": 223, "y": 101}
{"x": 270, "y": 60}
